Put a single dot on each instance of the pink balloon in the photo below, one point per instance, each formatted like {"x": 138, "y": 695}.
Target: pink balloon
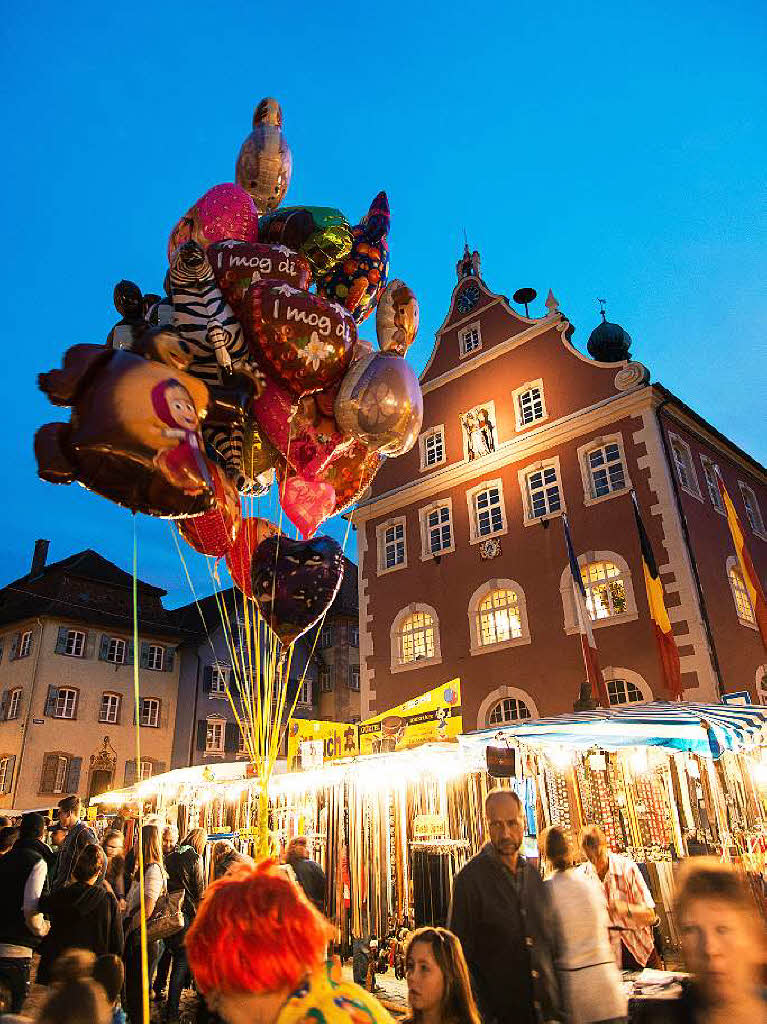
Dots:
{"x": 307, "y": 503}
{"x": 225, "y": 211}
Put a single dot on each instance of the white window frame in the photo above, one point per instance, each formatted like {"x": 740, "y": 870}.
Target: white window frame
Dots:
{"x": 354, "y": 636}
{"x": 3, "y": 771}
{"x": 568, "y": 598}
{"x": 14, "y": 701}
{"x": 528, "y": 519}
{"x": 115, "y": 700}
{"x": 145, "y": 770}
{"x": 116, "y": 650}
{"x": 327, "y": 637}
{"x": 585, "y": 450}
{"x": 518, "y": 394}
{"x": 304, "y": 698}
{"x": 423, "y": 447}
{"x": 612, "y": 673}
{"x": 326, "y": 679}
{"x": 152, "y": 720}
{"x": 712, "y": 484}
{"x": 504, "y": 693}
{"x": 155, "y": 662}
{"x": 75, "y": 645}
{"x": 381, "y": 544}
{"x": 733, "y": 564}
{"x": 489, "y": 407}
{"x": 219, "y": 680}
{"x": 752, "y": 509}
{"x": 394, "y": 639}
{"x": 67, "y": 709}
{"x": 25, "y": 644}
{"x": 693, "y": 487}
{"x": 476, "y": 599}
{"x": 62, "y": 767}
{"x": 463, "y": 335}
{"x": 475, "y": 537}
{"x": 354, "y": 681}
{"x": 215, "y": 727}
{"x": 423, "y": 516}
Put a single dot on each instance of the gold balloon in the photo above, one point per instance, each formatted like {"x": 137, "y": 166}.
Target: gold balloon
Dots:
{"x": 397, "y": 318}
{"x": 258, "y": 454}
{"x": 380, "y": 402}
{"x": 265, "y": 163}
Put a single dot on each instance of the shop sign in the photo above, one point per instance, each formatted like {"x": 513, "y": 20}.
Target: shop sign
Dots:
{"x": 429, "y": 826}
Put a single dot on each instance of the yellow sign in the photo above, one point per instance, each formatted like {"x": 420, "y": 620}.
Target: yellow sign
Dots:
{"x": 429, "y": 826}
{"x": 93, "y": 813}
{"x": 430, "y": 718}
{"x": 339, "y": 739}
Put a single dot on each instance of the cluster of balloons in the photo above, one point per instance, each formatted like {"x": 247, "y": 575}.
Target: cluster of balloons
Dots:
{"x": 248, "y": 368}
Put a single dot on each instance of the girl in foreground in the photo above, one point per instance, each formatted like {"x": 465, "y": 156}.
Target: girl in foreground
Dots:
{"x": 438, "y": 986}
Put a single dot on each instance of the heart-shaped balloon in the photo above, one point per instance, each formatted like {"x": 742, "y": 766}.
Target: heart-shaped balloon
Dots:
{"x": 225, "y": 211}
{"x": 295, "y": 581}
{"x": 305, "y": 341}
{"x": 239, "y": 557}
{"x": 213, "y": 533}
{"x": 380, "y": 402}
{"x": 237, "y": 265}
{"x": 307, "y": 503}
{"x": 351, "y": 473}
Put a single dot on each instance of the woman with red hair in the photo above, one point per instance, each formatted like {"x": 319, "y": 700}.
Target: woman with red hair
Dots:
{"x": 257, "y": 952}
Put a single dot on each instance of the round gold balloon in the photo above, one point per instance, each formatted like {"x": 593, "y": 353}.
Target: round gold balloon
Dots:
{"x": 265, "y": 163}
{"x": 397, "y": 318}
{"x": 380, "y": 402}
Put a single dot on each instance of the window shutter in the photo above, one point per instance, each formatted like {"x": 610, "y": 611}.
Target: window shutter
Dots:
{"x": 61, "y": 640}
{"x": 15, "y": 646}
{"x": 207, "y": 679}
{"x": 130, "y": 773}
{"x": 144, "y": 658}
{"x": 202, "y": 733}
{"x": 104, "y": 647}
{"x": 50, "y": 702}
{"x": 129, "y": 654}
{"x": 48, "y": 777}
{"x": 168, "y": 659}
{"x": 72, "y": 781}
{"x": 9, "y": 773}
{"x": 231, "y": 737}
{"x": 90, "y": 644}
{"x": 162, "y": 715}
{"x": 77, "y": 702}
{"x": 4, "y": 701}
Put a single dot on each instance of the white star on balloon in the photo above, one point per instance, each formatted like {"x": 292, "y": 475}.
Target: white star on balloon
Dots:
{"x": 285, "y": 289}
{"x": 283, "y": 249}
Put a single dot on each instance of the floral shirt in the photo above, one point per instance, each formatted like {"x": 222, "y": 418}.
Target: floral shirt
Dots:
{"x": 325, "y": 998}
{"x": 624, "y": 882}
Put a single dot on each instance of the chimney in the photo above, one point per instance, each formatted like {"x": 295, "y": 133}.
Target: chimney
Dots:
{"x": 39, "y": 557}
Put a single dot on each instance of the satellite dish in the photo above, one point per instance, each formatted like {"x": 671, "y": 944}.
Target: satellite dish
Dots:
{"x": 524, "y": 295}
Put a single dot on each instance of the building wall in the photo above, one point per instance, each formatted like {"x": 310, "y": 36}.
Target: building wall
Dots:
{"x": 341, "y": 703}
{"x": 33, "y": 733}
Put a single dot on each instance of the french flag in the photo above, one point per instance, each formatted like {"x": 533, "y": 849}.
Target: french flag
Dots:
{"x": 588, "y": 643}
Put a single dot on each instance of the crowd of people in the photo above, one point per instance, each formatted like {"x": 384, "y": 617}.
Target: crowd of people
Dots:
{"x": 524, "y": 943}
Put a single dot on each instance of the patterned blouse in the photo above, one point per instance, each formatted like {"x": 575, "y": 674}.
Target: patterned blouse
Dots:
{"x": 325, "y": 998}
{"x": 624, "y": 882}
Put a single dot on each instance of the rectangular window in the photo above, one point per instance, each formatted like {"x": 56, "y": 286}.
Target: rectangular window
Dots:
{"x": 685, "y": 470}
{"x": 214, "y": 738}
{"x": 753, "y": 512}
{"x": 25, "y": 644}
{"x": 3, "y": 773}
{"x": 710, "y": 475}
{"x": 110, "y": 708}
{"x": 13, "y": 707}
{"x": 62, "y": 763}
{"x": 305, "y": 692}
{"x": 470, "y": 340}
{"x": 326, "y": 637}
{"x": 433, "y": 448}
{"x": 354, "y": 636}
{"x": 156, "y": 657}
{"x": 354, "y": 677}
{"x": 488, "y": 513}
{"x": 150, "y": 712}
{"x": 116, "y": 651}
{"x": 219, "y": 680}
{"x": 144, "y": 770}
{"x": 606, "y": 470}
{"x": 75, "y": 645}
{"x": 530, "y": 406}
{"x": 326, "y": 680}
{"x": 392, "y": 545}
{"x": 543, "y": 497}
{"x": 439, "y": 535}
{"x": 66, "y": 703}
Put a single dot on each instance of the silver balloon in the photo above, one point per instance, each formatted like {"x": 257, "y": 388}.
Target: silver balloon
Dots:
{"x": 397, "y": 318}
{"x": 380, "y": 402}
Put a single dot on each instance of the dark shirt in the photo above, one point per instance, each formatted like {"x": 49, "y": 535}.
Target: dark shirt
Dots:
{"x": 82, "y": 917}
{"x": 311, "y": 878}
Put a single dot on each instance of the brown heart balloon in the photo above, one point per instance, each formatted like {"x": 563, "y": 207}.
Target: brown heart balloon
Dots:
{"x": 294, "y": 582}
{"x": 237, "y": 265}
{"x": 305, "y": 341}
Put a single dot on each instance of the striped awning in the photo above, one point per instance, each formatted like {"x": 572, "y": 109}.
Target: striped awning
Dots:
{"x": 705, "y": 729}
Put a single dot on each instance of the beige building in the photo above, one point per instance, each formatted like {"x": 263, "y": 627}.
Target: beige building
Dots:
{"x": 66, "y": 681}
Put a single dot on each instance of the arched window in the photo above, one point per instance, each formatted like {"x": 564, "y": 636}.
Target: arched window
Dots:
{"x": 609, "y": 590}
{"x": 415, "y": 638}
{"x": 761, "y": 684}
{"x": 506, "y": 704}
{"x": 510, "y": 709}
{"x": 740, "y": 594}
{"x": 625, "y": 686}
{"x": 497, "y": 616}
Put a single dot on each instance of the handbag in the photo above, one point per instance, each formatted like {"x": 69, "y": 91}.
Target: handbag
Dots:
{"x": 167, "y": 917}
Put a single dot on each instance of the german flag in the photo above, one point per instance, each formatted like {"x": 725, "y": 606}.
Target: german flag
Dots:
{"x": 667, "y": 649}
{"x": 747, "y": 568}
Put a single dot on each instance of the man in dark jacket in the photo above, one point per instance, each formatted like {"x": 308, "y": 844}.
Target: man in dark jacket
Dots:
{"x": 309, "y": 874}
{"x": 23, "y": 877}
{"x": 79, "y": 835}
{"x": 501, "y": 913}
{"x": 184, "y": 867}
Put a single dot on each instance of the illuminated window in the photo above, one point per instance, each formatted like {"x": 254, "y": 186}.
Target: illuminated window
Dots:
{"x": 510, "y": 709}
{"x": 416, "y": 638}
{"x": 740, "y": 594}
{"x": 605, "y": 590}
{"x": 498, "y": 617}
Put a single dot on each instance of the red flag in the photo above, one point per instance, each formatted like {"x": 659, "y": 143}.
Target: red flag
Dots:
{"x": 588, "y": 643}
{"x": 747, "y": 568}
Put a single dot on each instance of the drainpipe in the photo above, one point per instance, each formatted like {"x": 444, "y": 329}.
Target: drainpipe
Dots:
{"x": 693, "y": 562}
{"x": 28, "y": 717}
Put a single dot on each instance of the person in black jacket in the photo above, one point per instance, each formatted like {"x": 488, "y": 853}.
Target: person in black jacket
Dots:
{"x": 184, "y": 867}
{"x": 79, "y": 835}
{"x": 23, "y": 878}
{"x": 83, "y": 915}
{"x": 309, "y": 874}
{"x": 501, "y": 913}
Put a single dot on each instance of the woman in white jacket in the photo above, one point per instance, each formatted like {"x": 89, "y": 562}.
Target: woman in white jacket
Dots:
{"x": 589, "y": 978}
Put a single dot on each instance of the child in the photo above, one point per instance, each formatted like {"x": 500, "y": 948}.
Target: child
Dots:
{"x": 110, "y": 974}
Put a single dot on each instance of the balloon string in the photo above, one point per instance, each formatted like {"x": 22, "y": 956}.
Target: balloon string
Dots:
{"x": 137, "y": 702}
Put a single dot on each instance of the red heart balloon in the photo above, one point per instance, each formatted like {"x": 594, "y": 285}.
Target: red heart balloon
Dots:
{"x": 305, "y": 341}
{"x": 307, "y": 503}
{"x": 237, "y": 265}
{"x": 213, "y": 533}
{"x": 250, "y": 534}
{"x": 351, "y": 473}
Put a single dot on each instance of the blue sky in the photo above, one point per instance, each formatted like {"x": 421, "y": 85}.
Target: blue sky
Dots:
{"x": 599, "y": 150}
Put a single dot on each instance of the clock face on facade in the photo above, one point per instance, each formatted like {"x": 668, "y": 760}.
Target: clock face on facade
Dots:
{"x": 468, "y": 297}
